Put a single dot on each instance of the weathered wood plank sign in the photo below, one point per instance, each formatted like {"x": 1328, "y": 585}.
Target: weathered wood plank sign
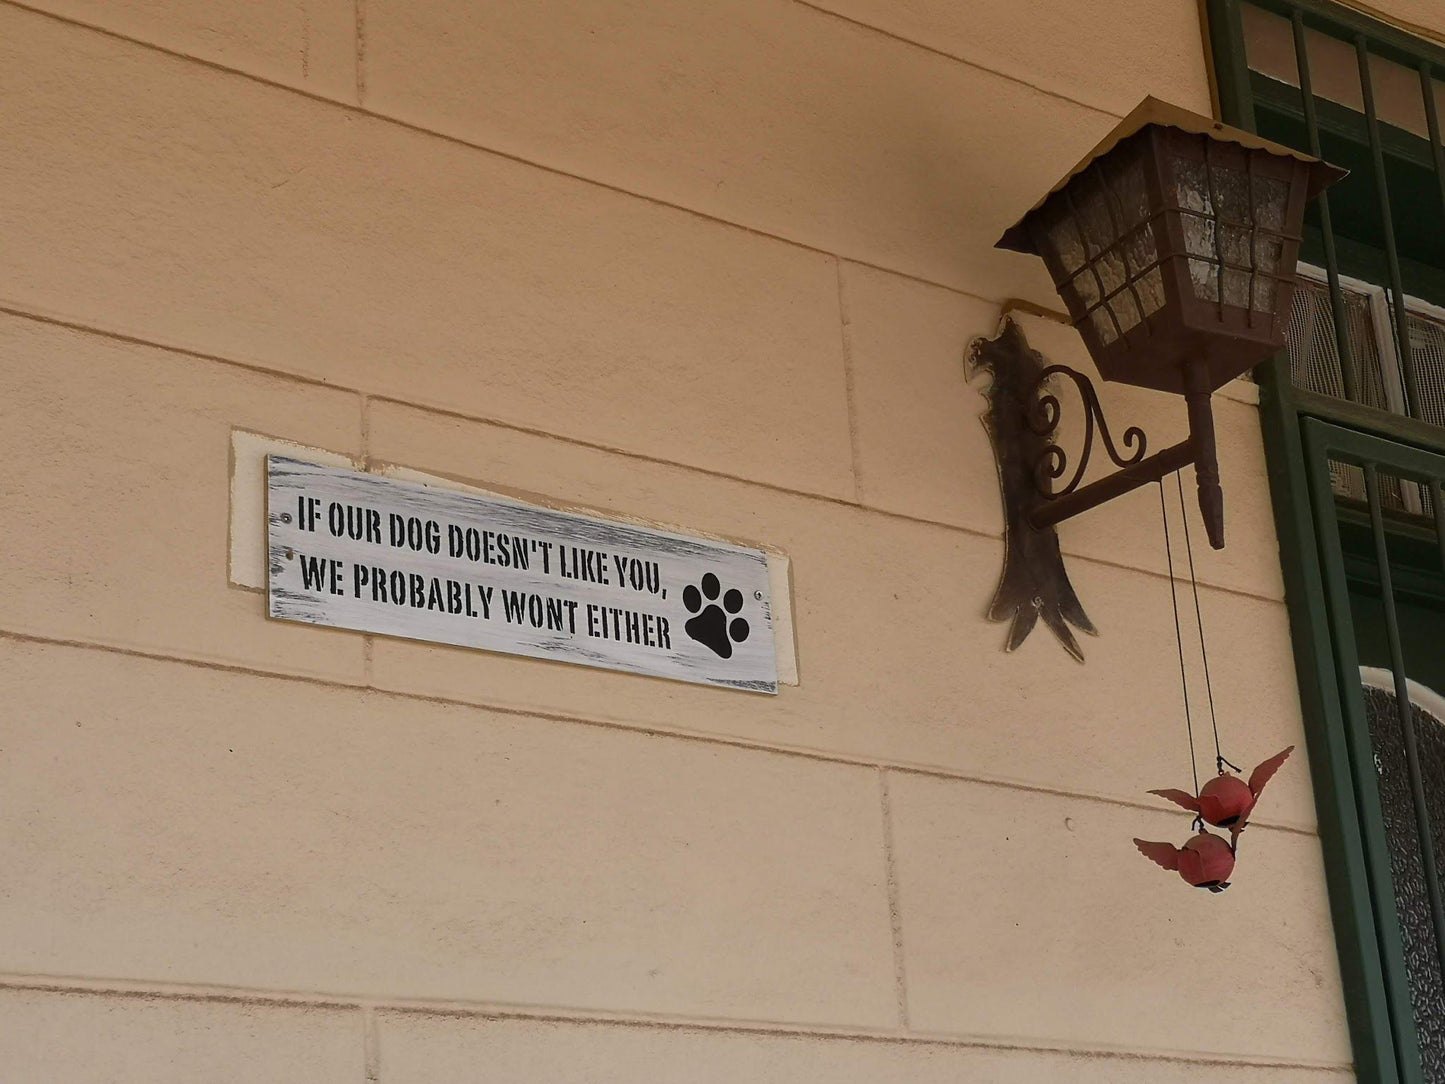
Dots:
{"x": 359, "y": 551}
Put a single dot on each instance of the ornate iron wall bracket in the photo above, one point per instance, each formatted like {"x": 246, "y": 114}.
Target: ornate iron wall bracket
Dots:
{"x": 1022, "y": 421}
{"x": 1034, "y": 583}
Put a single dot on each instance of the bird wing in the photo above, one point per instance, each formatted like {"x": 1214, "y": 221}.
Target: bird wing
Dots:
{"x": 1165, "y": 854}
{"x": 1262, "y": 775}
{"x": 1179, "y": 797}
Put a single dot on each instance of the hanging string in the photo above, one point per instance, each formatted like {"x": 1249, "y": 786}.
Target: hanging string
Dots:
{"x": 1219, "y": 761}
{"x": 1179, "y": 641}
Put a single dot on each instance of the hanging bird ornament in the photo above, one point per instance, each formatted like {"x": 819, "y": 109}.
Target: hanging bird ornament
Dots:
{"x": 1205, "y": 860}
{"x": 1226, "y": 801}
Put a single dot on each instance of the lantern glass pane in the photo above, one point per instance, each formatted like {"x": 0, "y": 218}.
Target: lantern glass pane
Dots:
{"x": 1236, "y": 287}
{"x": 1268, "y": 252}
{"x": 1231, "y": 219}
{"x": 1086, "y": 288}
{"x": 1220, "y": 236}
{"x": 1139, "y": 250}
{"x": 1100, "y": 237}
{"x": 1205, "y": 277}
{"x": 1199, "y": 237}
{"x": 1192, "y": 195}
{"x": 1199, "y": 240}
{"x": 1126, "y": 310}
{"x": 1234, "y": 245}
{"x": 1271, "y": 202}
{"x": 1124, "y": 176}
{"x": 1150, "y": 288}
{"x": 1093, "y": 211}
{"x": 1133, "y": 193}
{"x": 1231, "y": 194}
{"x": 1111, "y": 200}
{"x": 1110, "y": 266}
{"x": 1103, "y": 325}
{"x": 1191, "y": 186}
{"x": 1264, "y": 291}
{"x": 1063, "y": 237}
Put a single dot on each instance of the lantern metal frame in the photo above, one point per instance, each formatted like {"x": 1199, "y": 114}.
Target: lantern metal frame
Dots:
{"x": 1173, "y": 245}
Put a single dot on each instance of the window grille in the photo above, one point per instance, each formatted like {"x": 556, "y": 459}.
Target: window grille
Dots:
{"x": 1382, "y": 711}
{"x": 1378, "y": 378}
{"x": 1427, "y": 354}
{"x": 1354, "y": 422}
{"x": 1314, "y": 354}
{"x": 1370, "y": 334}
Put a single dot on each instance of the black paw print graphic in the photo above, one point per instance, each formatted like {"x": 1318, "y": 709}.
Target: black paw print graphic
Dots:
{"x": 711, "y": 626}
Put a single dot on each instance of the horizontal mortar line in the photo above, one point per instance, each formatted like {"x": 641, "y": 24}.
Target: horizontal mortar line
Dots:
{"x": 946, "y": 55}
{"x": 501, "y": 1010}
{"x": 840, "y": 502}
{"x": 39, "y": 316}
{"x": 580, "y": 442}
{"x": 641, "y": 457}
{"x": 1161, "y": 574}
{"x": 387, "y": 118}
{"x": 685, "y": 734}
{"x": 439, "y": 411}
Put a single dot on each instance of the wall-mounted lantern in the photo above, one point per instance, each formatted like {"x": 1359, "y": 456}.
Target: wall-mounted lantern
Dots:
{"x": 1173, "y": 245}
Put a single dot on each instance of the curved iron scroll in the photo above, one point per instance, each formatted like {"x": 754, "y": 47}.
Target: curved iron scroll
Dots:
{"x": 1044, "y": 414}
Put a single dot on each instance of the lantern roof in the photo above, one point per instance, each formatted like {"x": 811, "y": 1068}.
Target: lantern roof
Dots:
{"x": 1155, "y": 111}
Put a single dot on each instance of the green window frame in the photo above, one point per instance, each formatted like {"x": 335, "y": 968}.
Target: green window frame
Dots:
{"x": 1304, "y": 432}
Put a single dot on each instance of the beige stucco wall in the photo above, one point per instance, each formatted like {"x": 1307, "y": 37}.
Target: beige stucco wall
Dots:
{"x": 708, "y": 264}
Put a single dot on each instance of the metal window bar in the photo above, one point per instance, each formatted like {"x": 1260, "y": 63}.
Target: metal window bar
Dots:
{"x": 1439, "y": 518}
{"x": 1437, "y": 161}
{"x": 1327, "y": 229}
{"x": 1253, "y": 238}
{"x": 1432, "y": 126}
{"x": 1387, "y": 226}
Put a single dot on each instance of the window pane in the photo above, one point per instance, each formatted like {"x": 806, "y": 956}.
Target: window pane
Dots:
{"x": 1407, "y": 874}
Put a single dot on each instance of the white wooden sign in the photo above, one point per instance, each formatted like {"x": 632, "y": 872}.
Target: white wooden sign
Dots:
{"x": 359, "y": 551}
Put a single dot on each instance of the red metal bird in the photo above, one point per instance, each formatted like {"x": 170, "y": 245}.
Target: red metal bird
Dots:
{"x": 1205, "y": 860}
{"x": 1227, "y": 800}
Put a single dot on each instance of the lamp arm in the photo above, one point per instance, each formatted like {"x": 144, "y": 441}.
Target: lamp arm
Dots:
{"x": 1043, "y": 413}
{"x": 1052, "y": 510}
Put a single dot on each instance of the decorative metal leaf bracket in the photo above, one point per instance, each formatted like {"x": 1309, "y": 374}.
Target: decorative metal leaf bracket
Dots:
{"x": 1022, "y": 420}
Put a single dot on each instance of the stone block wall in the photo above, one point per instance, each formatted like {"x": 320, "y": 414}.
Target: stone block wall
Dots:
{"x": 709, "y": 264}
